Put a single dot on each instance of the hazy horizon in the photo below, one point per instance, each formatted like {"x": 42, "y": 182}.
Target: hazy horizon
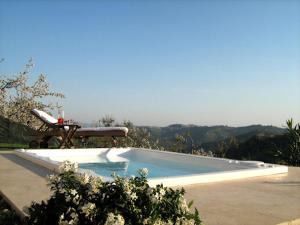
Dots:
{"x": 234, "y": 63}
{"x": 96, "y": 122}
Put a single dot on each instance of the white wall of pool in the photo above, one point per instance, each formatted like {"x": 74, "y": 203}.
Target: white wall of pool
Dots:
{"x": 169, "y": 168}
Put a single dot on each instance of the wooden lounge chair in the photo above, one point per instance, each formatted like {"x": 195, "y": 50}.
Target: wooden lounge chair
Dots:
{"x": 66, "y": 132}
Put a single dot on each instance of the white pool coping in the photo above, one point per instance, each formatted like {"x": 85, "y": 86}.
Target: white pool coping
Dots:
{"x": 235, "y": 169}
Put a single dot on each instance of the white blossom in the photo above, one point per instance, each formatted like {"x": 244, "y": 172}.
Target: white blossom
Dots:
{"x": 160, "y": 222}
{"x": 182, "y": 204}
{"x": 84, "y": 178}
{"x": 73, "y": 221}
{"x": 76, "y": 199}
{"x": 184, "y": 221}
{"x": 127, "y": 187}
{"x": 73, "y": 192}
{"x": 62, "y": 216}
{"x": 133, "y": 196}
{"x": 149, "y": 191}
{"x": 53, "y": 178}
{"x": 88, "y": 209}
{"x": 146, "y": 221}
{"x": 96, "y": 183}
{"x": 68, "y": 198}
{"x": 67, "y": 166}
{"x": 62, "y": 220}
{"x": 73, "y": 215}
{"x": 113, "y": 219}
{"x": 156, "y": 196}
{"x": 62, "y": 191}
{"x": 143, "y": 171}
{"x": 162, "y": 192}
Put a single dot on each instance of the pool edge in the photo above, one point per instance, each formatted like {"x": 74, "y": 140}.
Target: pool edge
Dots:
{"x": 173, "y": 181}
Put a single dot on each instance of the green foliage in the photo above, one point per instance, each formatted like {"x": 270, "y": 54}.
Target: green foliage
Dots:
{"x": 179, "y": 144}
{"x": 259, "y": 148}
{"x": 291, "y": 154}
{"x": 283, "y": 149}
{"x": 106, "y": 121}
{"x": 221, "y": 150}
{"x": 12, "y": 145}
{"x": 138, "y": 137}
{"x": 82, "y": 199}
{"x": 185, "y": 143}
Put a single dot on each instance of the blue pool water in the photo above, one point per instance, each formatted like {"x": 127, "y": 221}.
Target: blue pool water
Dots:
{"x": 159, "y": 169}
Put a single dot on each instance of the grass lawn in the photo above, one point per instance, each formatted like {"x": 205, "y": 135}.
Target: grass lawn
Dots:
{"x": 9, "y": 147}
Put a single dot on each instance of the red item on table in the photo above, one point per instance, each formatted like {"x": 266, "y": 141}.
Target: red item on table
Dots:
{"x": 60, "y": 120}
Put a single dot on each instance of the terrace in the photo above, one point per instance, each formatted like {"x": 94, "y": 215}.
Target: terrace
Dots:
{"x": 263, "y": 200}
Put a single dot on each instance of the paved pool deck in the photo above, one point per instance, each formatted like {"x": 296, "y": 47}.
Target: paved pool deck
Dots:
{"x": 257, "y": 201}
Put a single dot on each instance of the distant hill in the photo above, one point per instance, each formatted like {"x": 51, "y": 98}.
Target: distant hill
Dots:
{"x": 208, "y": 137}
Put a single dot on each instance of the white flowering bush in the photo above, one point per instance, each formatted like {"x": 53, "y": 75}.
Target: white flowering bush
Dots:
{"x": 83, "y": 199}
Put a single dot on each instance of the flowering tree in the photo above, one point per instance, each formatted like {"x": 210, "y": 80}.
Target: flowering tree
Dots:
{"x": 139, "y": 137}
{"x": 17, "y": 97}
{"x": 83, "y": 199}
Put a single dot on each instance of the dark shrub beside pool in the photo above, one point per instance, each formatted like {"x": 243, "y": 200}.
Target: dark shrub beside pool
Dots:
{"x": 7, "y": 215}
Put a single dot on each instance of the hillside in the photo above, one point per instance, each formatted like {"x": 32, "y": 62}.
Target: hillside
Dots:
{"x": 208, "y": 137}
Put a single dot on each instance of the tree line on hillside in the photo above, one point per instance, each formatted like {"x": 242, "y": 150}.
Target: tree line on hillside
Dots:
{"x": 283, "y": 149}
{"x": 207, "y": 136}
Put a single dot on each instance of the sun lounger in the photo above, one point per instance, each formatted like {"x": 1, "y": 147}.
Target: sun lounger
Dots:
{"x": 51, "y": 128}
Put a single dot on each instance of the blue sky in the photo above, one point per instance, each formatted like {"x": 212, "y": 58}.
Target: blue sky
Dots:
{"x": 161, "y": 62}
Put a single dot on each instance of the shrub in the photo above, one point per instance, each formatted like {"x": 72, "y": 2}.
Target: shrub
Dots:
{"x": 292, "y": 154}
{"x": 7, "y": 215}
{"x": 83, "y": 199}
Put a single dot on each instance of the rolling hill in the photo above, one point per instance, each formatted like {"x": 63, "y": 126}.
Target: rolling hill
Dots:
{"x": 208, "y": 137}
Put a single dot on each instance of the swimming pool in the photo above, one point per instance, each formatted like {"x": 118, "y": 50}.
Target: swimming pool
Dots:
{"x": 169, "y": 168}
